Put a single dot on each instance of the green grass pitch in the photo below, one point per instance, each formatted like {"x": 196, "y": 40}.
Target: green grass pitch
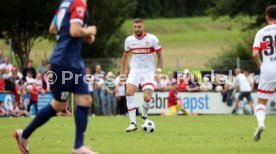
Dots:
{"x": 174, "y": 135}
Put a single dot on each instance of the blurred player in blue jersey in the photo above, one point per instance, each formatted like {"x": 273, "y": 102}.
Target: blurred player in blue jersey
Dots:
{"x": 66, "y": 62}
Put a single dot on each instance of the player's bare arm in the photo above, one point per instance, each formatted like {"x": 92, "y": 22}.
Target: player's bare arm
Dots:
{"x": 76, "y": 30}
{"x": 256, "y": 57}
{"x": 159, "y": 60}
{"x": 53, "y": 29}
{"x": 123, "y": 67}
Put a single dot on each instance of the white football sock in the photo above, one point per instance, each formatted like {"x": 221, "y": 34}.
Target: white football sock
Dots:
{"x": 146, "y": 106}
{"x": 131, "y": 109}
{"x": 260, "y": 112}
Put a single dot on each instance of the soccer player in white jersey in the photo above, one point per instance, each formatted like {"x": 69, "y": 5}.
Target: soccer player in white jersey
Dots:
{"x": 142, "y": 45}
{"x": 265, "y": 43}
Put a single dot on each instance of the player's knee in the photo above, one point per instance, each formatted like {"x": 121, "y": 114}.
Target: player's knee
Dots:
{"x": 129, "y": 93}
{"x": 85, "y": 100}
{"x": 147, "y": 98}
{"x": 58, "y": 106}
{"x": 262, "y": 101}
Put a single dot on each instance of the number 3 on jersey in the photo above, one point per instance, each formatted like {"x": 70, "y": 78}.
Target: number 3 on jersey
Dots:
{"x": 269, "y": 44}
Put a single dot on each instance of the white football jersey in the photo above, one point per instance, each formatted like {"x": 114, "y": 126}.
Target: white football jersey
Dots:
{"x": 265, "y": 42}
{"x": 243, "y": 83}
{"x": 142, "y": 50}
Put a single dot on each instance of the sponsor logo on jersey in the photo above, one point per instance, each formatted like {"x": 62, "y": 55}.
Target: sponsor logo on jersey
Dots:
{"x": 143, "y": 51}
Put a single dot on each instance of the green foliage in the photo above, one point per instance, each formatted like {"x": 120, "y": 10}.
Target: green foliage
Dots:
{"x": 24, "y": 21}
{"x": 108, "y": 16}
{"x": 27, "y": 21}
{"x": 234, "y": 8}
{"x": 193, "y": 41}
{"x": 171, "y": 8}
{"x": 242, "y": 49}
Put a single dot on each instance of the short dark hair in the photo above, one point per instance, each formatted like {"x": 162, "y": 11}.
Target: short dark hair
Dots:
{"x": 271, "y": 11}
{"x": 30, "y": 61}
{"x": 138, "y": 20}
{"x": 245, "y": 70}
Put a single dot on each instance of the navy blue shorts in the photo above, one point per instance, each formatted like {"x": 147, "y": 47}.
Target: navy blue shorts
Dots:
{"x": 66, "y": 83}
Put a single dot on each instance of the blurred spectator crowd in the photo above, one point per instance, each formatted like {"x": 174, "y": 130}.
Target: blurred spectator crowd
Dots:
{"x": 109, "y": 92}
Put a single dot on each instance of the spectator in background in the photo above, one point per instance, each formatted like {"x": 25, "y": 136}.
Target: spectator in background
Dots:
{"x": 29, "y": 68}
{"x": 228, "y": 92}
{"x": 249, "y": 78}
{"x": 99, "y": 81}
{"x": 174, "y": 103}
{"x": 220, "y": 80}
{"x": 39, "y": 82}
{"x": 22, "y": 109}
{"x": 12, "y": 83}
{"x": 245, "y": 90}
{"x": 7, "y": 66}
{"x": 181, "y": 85}
{"x": 91, "y": 89}
{"x": 34, "y": 98}
{"x": 170, "y": 80}
{"x": 193, "y": 85}
{"x": 121, "y": 97}
{"x": 2, "y": 81}
{"x": 101, "y": 85}
{"x": 159, "y": 83}
{"x": 110, "y": 87}
{"x": 11, "y": 77}
{"x": 15, "y": 74}
{"x": 29, "y": 81}
{"x": 43, "y": 66}
{"x": 16, "y": 93}
{"x": 206, "y": 85}
{"x": 14, "y": 111}
{"x": 186, "y": 75}
{"x": 3, "y": 112}
{"x": 1, "y": 57}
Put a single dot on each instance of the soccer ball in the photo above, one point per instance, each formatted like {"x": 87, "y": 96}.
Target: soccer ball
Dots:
{"x": 148, "y": 126}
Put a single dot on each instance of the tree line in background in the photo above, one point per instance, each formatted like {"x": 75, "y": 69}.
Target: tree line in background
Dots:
{"x": 25, "y": 21}
{"x": 242, "y": 48}
{"x": 172, "y": 8}
{"x": 110, "y": 15}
